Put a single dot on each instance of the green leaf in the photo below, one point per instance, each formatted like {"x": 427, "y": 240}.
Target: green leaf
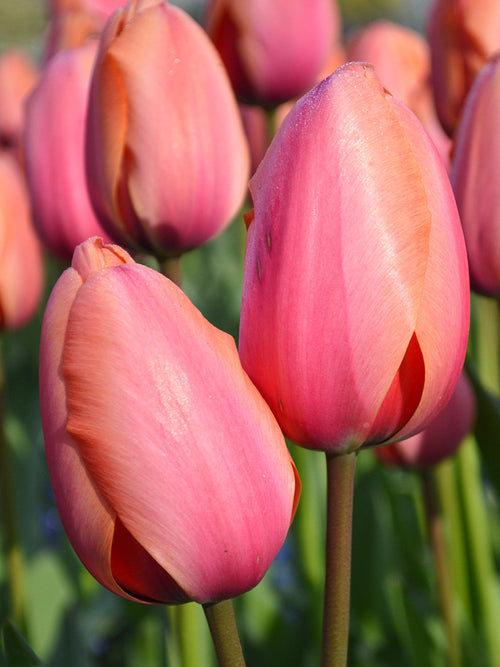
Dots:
{"x": 487, "y": 428}
{"x": 17, "y": 651}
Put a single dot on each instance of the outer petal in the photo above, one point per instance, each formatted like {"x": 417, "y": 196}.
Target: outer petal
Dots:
{"x": 338, "y": 260}
{"x": 174, "y": 436}
{"x": 54, "y": 152}
{"x": 88, "y": 521}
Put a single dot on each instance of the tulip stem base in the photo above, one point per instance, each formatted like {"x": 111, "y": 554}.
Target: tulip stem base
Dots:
{"x": 171, "y": 268}
{"x": 222, "y": 624}
{"x": 340, "y": 489}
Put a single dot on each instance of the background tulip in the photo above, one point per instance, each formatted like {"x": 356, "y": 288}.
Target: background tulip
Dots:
{"x": 401, "y": 59}
{"x": 54, "y": 142}
{"x": 17, "y": 78}
{"x": 190, "y": 494}
{"x": 167, "y": 158}
{"x": 441, "y": 438}
{"x": 273, "y": 51}
{"x": 462, "y": 35}
{"x": 21, "y": 269}
{"x": 474, "y": 173}
{"x": 355, "y": 302}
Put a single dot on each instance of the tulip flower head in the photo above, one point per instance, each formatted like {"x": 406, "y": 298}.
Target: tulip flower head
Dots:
{"x": 273, "y": 51}
{"x": 54, "y": 140}
{"x": 21, "y": 266}
{"x": 463, "y": 35}
{"x": 355, "y": 308}
{"x": 441, "y": 438}
{"x": 167, "y": 157}
{"x": 474, "y": 172}
{"x": 170, "y": 473}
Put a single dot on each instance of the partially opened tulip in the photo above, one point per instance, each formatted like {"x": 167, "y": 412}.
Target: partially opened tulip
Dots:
{"x": 441, "y": 438}
{"x": 170, "y": 473}
{"x": 273, "y": 51}
{"x": 463, "y": 35}
{"x": 54, "y": 139}
{"x": 474, "y": 174}
{"x": 167, "y": 157}
{"x": 21, "y": 266}
{"x": 355, "y": 303}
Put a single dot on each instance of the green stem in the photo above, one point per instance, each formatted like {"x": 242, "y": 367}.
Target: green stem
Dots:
{"x": 482, "y": 566}
{"x": 441, "y": 564}
{"x": 445, "y": 481}
{"x": 171, "y": 268}
{"x": 222, "y": 624}
{"x": 340, "y": 488}
{"x": 13, "y": 550}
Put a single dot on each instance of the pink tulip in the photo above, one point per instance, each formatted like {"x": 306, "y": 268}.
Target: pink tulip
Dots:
{"x": 273, "y": 51}
{"x": 17, "y": 77}
{"x": 401, "y": 59}
{"x": 474, "y": 175}
{"x": 441, "y": 438}
{"x": 171, "y": 475}
{"x": 72, "y": 22}
{"x": 54, "y": 142}
{"x": 21, "y": 268}
{"x": 167, "y": 157}
{"x": 355, "y": 305}
{"x": 463, "y": 35}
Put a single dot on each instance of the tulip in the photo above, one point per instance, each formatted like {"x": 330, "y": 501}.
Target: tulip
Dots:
{"x": 474, "y": 173}
{"x": 167, "y": 157}
{"x": 355, "y": 306}
{"x": 189, "y": 494}
{"x": 273, "y": 51}
{"x": 17, "y": 77}
{"x": 72, "y": 22}
{"x": 21, "y": 268}
{"x": 54, "y": 142}
{"x": 463, "y": 35}
{"x": 402, "y": 62}
{"x": 441, "y": 438}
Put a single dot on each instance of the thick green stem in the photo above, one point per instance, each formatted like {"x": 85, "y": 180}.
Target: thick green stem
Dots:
{"x": 340, "y": 488}
{"x": 442, "y": 566}
{"x": 222, "y": 624}
{"x": 13, "y": 550}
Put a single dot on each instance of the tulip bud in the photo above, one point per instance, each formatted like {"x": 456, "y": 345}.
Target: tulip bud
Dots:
{"x": 463, "y": 35}
{"x": 355, "y": 307}
{"x": 17, "y": 78}
{"x": 170, "y": 473}
{"x": 441, "y": 438}
{"x": 474, "y": 174}
{"x": 21, "y": 268}
{"x": 54, "y": 141}
{"x": 273, "y": 51}
{"x": 167, "y": 158}
{"x": 401, "y": 59}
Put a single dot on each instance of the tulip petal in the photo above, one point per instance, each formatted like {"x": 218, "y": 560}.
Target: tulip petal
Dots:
{"x": 156, "y": 410}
